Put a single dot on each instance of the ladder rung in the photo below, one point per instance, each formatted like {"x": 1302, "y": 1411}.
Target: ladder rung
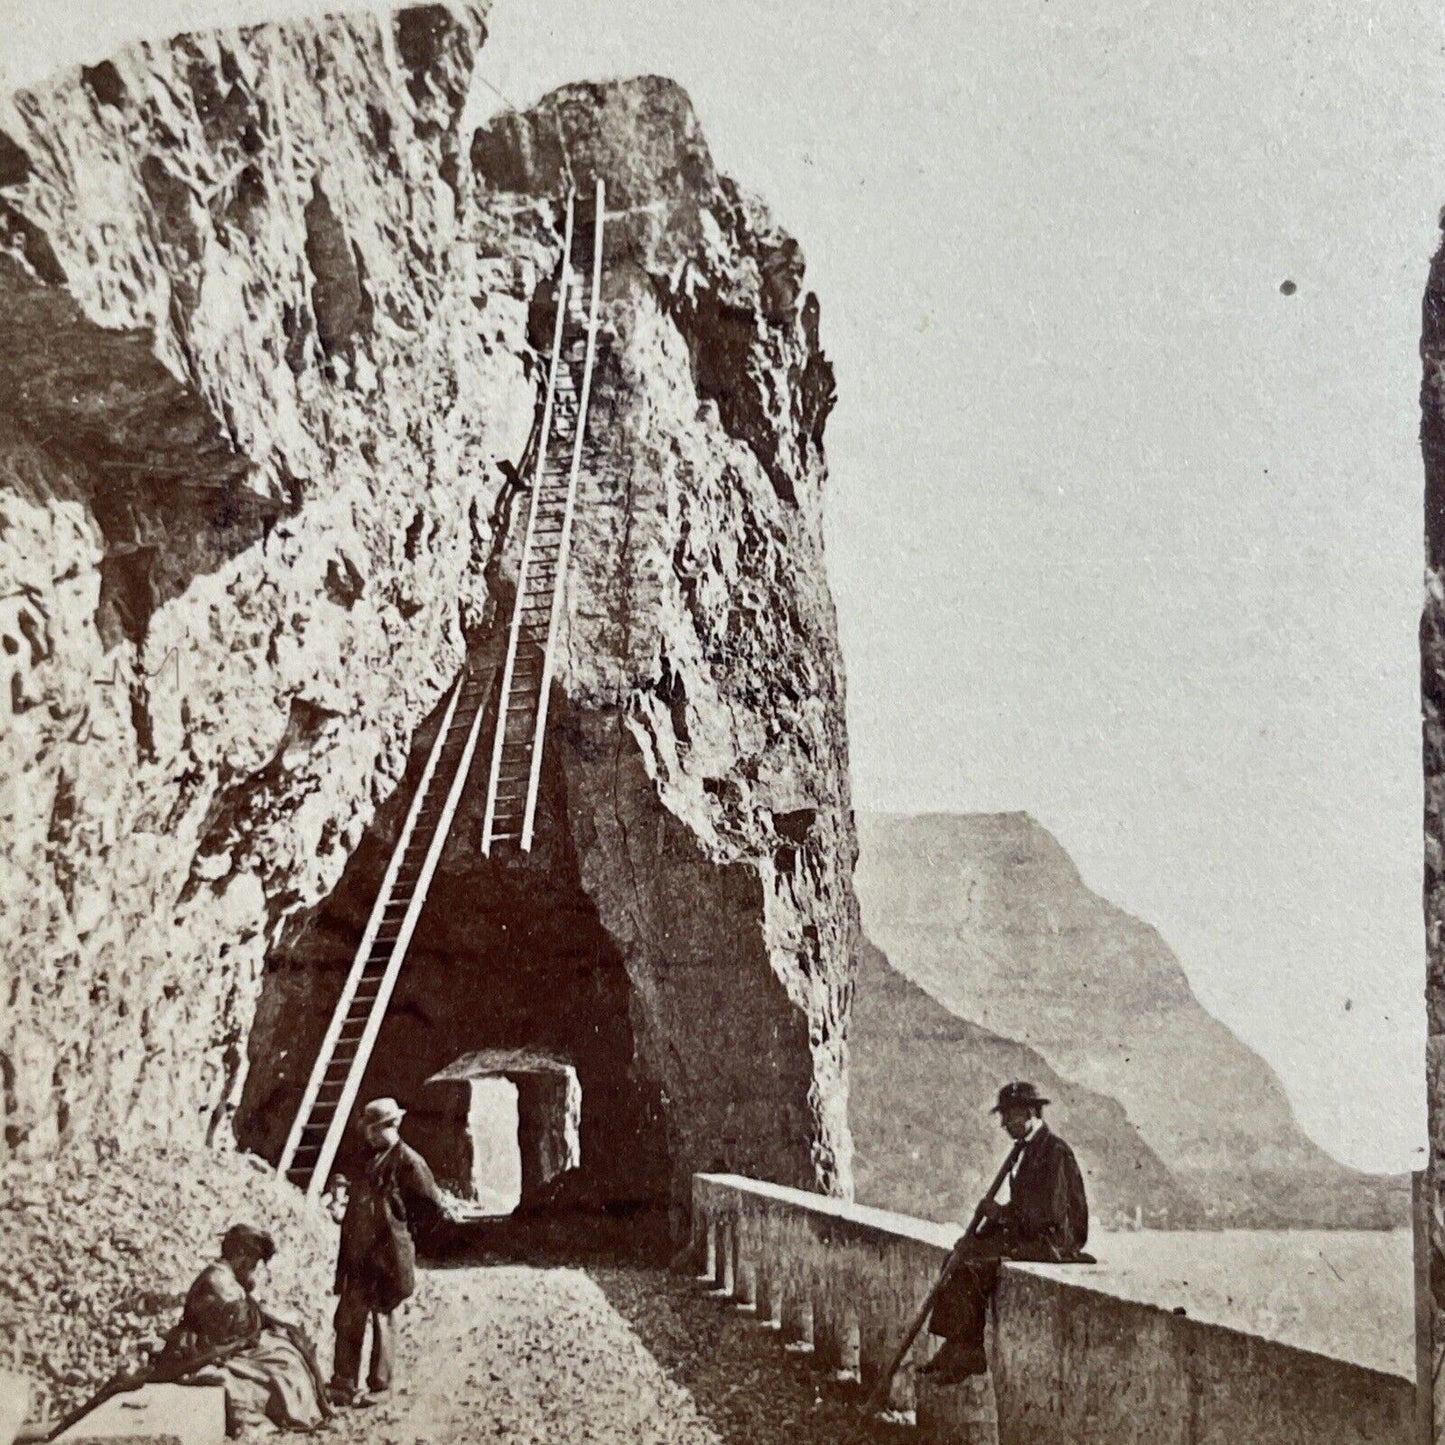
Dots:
{"x": 360, "y": 1012}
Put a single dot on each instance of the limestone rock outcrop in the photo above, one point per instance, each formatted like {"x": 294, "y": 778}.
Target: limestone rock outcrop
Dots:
{"x": 272, "y": 364}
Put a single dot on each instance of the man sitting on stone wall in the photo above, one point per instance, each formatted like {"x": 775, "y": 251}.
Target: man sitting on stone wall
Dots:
{"x": 225, "y": 1337}
{"x": 1046, "y": 1218}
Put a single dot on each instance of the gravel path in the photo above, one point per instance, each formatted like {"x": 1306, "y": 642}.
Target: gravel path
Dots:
{"x": 608, "y": 1355}
{"x": 523, "y": 1355}
{"x": 544, "y": 1330}
{"x": 751, "y": 1389}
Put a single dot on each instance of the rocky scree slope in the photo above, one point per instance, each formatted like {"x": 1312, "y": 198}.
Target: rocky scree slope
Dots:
{"x": 272, "y": 365}
{"x": 987, "y": 913}
{"x": 94, "y": 1269}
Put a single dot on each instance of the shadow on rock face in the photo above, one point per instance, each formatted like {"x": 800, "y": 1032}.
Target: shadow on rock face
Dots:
{"x": 114, "y": 429}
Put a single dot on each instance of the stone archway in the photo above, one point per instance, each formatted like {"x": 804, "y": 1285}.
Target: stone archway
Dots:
{"x": 460, "y": 1126}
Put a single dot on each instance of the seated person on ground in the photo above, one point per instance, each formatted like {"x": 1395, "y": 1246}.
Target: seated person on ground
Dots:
{"x": 225, "y": 1337}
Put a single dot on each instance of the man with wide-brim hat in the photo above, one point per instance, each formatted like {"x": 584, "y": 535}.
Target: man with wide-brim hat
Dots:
{"x": 394, "y": 1195}
{"x": 1046, "y": 1217}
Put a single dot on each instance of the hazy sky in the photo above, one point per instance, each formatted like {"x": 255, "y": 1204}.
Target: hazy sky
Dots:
{"x": 1119, "y": 533}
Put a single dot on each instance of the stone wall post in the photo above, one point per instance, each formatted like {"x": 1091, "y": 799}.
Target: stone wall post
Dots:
{"x": 796, "y": 1316}
{"x": 830, "y": 1326}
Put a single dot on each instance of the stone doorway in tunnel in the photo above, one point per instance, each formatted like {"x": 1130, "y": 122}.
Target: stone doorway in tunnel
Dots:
{"x": 501, "y": 1127}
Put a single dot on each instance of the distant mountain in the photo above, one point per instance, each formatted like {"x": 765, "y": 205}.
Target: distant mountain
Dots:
{"x": 921, "y": 1083}
{"x": 989, "y": 916}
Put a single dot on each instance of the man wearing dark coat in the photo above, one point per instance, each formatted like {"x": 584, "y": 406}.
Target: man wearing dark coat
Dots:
{"x": 394, "y": 1195}
{"x": 1046, "y": 1219}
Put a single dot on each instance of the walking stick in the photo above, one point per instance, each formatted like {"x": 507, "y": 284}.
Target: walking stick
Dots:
{"x": 885, "y": 1381}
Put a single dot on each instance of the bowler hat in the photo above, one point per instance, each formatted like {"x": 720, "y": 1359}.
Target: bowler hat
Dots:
{"x": 1018, "y": 1096}
{"x": 381, "y": 1112}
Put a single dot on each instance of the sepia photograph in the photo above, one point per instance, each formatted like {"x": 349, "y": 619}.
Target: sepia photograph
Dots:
{"x": 723, "y": 724}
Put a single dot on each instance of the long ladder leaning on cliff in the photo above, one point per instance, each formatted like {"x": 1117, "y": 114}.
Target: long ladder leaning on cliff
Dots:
{"x": 340, "y": 1065}
{"x": 536, "y": 614}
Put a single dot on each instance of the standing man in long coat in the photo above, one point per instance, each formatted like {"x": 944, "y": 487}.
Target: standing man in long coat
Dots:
{"x": 1045, "y": 1219}
{"x": 376, "y": 1270}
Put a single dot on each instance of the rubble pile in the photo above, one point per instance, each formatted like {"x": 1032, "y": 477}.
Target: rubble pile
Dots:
{"x": 99, "y": 1249}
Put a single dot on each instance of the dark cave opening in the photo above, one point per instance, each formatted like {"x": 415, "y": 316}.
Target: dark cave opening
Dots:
{"x": 509, "y": 959}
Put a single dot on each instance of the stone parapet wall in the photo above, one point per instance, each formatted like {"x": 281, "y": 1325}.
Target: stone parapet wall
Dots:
{"x": 1072, "y": 1364}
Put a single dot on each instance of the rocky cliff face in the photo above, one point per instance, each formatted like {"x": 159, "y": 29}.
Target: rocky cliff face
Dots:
{"x": 271, "y": 366}
{"x": 988, "y": 914}
{"x": 1432, "y": 706}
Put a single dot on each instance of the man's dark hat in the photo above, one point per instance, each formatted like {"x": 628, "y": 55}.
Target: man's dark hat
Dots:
{"x": 1020, "y": 1095}
{"x": 246, "y": 1237}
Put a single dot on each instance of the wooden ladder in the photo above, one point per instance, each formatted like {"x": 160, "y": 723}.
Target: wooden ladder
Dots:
{"x": 340, "y": 1066}
{"x": 527, "y": 673}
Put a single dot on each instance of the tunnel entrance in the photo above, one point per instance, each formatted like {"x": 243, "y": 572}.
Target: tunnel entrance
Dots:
{"x": 510, "y": 982}
{"x": 503, "y": 1126}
